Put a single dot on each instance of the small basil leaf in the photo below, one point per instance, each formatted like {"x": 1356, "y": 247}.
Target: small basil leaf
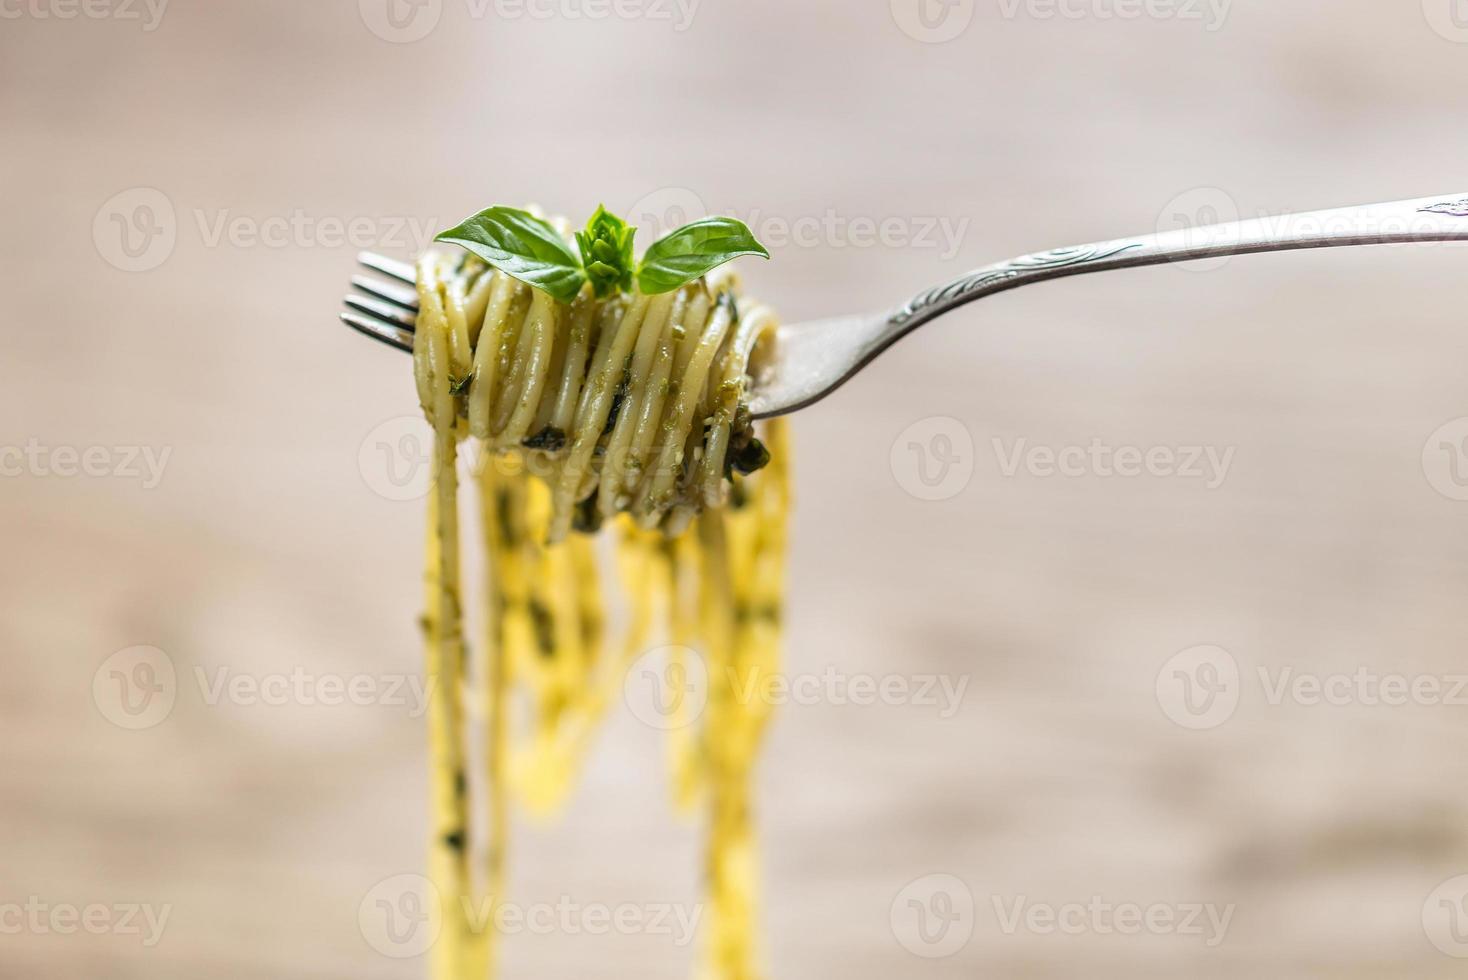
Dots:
{"x": 693, "y": 250}
{"x": 523, "y": 246}
{"x": 606, "y": 252}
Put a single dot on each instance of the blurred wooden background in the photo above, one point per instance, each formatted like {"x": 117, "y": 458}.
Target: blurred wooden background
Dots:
{"x": 264, "y": 129}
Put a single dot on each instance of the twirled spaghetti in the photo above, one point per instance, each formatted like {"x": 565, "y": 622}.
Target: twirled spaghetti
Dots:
{"x": 629, "y": 408}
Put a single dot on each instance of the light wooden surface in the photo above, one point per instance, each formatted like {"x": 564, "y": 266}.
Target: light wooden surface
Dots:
{"x": 1056, "y": 599}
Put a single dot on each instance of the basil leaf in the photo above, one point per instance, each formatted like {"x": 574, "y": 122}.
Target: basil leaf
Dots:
{"x": 693, "y": 250}
{"x": 606, "y": 252}
{"x": 523, "y": 246}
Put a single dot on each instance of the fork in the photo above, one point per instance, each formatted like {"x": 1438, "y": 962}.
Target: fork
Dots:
{"x": 815, "y": 358}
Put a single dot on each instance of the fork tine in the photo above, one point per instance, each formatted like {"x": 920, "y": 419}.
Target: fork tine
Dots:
{"x": 393, "y": 293}
{"x": 401, "y": 271}
{"x": 390, "y": 312}
{"x": 390, "y": 334}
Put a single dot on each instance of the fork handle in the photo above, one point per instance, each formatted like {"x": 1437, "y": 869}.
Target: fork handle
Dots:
{"x": 1430, "y": 219}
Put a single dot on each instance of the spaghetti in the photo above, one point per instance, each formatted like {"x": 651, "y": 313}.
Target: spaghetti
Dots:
{"x": 626, "y": 409}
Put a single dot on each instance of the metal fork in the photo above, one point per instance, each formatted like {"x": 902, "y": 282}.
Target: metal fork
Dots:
{"x": 816, "y": 358}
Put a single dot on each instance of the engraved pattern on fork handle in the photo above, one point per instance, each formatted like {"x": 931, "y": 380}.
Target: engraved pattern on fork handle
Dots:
{"x": 1455, "y": 209}
{"x": 975, "y": 284}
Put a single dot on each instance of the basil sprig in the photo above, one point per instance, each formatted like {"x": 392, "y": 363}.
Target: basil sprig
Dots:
{"x": 526, "y": 247}
{"x": 606, "y": 252}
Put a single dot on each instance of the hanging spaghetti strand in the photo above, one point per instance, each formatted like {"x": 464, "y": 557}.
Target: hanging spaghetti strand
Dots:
{"x": 627, "y": 410}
